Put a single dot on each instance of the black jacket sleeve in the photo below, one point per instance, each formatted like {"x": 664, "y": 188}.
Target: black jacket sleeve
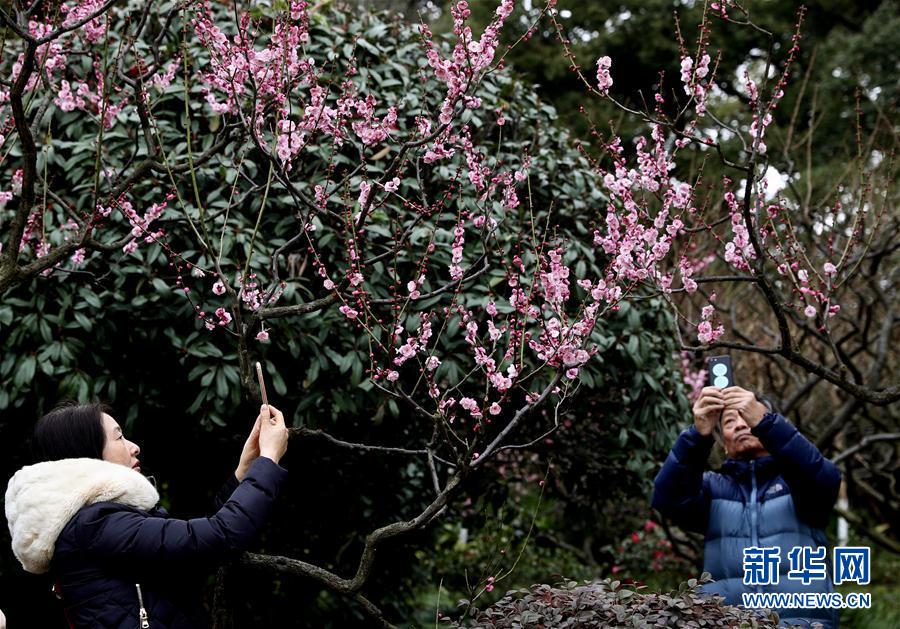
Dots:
{"x": 133, "y": 535}
{"x": 225, "y": 491}
{"x": 679, "y": 491}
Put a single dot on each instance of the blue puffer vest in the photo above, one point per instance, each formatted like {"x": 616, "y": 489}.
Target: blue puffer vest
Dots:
{"x": 782, "y": 500}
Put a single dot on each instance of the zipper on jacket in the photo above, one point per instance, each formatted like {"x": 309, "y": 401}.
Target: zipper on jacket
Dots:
{"x": 142, "y": 613}
{"x": 754, "y": 511}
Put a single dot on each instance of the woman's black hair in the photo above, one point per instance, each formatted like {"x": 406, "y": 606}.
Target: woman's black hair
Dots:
{"x": 69, "y": 431}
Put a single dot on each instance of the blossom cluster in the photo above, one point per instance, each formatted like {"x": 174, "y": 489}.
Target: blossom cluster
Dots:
{"x": 140, "y": 225}
{"x": 644, "y": 234}
{"x": 707, "y": 332}
{"x": 59, "y": 64}
{"x": 604, "y": 80}
{"x": 540, "y": 311}
{"x": 639, "y": 233}
{"x": 696, "y": 80}
{"x": 463, "y": 69}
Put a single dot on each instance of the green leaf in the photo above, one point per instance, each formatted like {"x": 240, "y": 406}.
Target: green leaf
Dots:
{"x": 278, "y": 383}
{"x": 632, "y": 347}
{"x": 208, "y": 376}
{"x": 369, "y": 47}
{"x": 198, "y": 401}
{"x": 85, "y": 323}
{"x": 90, "y": 298}
{"x": 312, "y": 373}
{"x": 25, "y": 371}
{"x": 45, "y": 331}
{"x": 221, "y": 384}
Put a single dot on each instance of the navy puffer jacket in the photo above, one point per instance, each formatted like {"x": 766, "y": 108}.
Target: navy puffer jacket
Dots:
{"x": 782, "y": 500}
{"x": 108, "y": 548}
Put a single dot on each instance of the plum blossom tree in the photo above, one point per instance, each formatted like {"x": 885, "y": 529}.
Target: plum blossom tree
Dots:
{"x": 398, "y": 207}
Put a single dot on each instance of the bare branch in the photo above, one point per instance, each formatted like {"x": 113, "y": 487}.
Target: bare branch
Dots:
{"x": 364, "y": 447}
{"x": 866, "y": 441}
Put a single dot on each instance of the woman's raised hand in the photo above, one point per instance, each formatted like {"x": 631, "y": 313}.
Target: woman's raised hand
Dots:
{"x": 273, "y": 434}
{"x": 249, "y": 453}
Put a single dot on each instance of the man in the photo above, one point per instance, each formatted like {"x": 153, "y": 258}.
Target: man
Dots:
{"x": 775, "y": 489}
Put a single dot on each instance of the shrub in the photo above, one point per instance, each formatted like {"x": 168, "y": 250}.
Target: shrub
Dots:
{"x": 647, "y": 547}
{"x": 609, "y": 603}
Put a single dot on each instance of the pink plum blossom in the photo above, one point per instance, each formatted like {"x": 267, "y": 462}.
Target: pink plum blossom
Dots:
{"x": 604, "y": 80}
{"x": 224, "y": 316}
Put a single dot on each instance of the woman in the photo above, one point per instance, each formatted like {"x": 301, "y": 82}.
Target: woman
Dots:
{"x": 85, "y": 514}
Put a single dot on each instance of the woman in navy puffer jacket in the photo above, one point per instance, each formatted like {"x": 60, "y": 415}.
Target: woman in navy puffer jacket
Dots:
{"x": 88, "y": 516}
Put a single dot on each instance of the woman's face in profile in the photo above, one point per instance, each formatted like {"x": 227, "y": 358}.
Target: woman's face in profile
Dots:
{"x": 117, "y": 449}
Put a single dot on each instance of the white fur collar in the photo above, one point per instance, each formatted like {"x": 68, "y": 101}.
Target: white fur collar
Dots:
{"x": 42, "y": 498}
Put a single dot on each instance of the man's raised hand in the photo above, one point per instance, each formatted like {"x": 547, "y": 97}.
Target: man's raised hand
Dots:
{"x": 745, "y": 403}
{"x": 707, "y": 409}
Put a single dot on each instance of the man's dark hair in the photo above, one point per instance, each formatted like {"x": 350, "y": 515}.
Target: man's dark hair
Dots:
{"x": 69, "y": 431}
{"x": 766, "y": 401}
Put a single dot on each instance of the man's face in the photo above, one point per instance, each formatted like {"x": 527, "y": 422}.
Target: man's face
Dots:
{"x": 739, "y": 441}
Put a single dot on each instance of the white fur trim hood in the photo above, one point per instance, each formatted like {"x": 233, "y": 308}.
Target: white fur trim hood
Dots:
{"x": 42, "y": 498}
